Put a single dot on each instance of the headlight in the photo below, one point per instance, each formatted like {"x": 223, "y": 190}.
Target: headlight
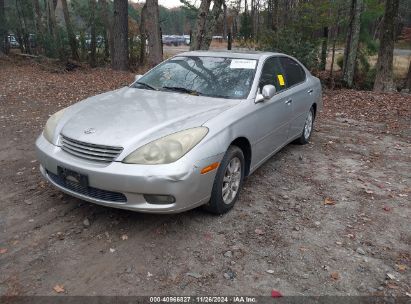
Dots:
{"x": 51, "y": 125}
{"x": 167, "y": 149}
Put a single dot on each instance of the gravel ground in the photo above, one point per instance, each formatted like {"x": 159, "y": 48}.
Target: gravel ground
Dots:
{"x": 328, "y": 218}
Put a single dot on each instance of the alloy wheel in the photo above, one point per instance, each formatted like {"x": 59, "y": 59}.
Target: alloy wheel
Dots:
{"x": 308, "y": 125}
{"x": 231, "y": 180}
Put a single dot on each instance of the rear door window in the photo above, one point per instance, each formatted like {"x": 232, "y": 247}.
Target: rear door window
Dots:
{"x": 294, "y": 73}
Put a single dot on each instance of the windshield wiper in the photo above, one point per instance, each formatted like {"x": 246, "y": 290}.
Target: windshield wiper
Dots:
{"x": 217, "y": 96}
{"x": 182, "y": 90}
{"x": 146, "y": 85}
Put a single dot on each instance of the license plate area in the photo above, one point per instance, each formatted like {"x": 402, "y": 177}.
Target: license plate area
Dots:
{"x": 70, "y": 176}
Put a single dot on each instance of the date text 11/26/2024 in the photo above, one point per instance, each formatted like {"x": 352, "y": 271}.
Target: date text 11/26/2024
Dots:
{"x": 204, "y": 299}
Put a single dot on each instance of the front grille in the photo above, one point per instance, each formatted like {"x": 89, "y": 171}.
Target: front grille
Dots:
{"x": 103, "y": 195}
{"x": 90, "y": 151}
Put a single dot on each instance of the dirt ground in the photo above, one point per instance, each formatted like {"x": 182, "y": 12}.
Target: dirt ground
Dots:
{"x": 329, "y": 218}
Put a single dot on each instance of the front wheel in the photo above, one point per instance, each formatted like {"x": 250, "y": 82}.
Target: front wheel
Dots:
{"x": 308, "y": 128}
{"x": 228, "y": 181}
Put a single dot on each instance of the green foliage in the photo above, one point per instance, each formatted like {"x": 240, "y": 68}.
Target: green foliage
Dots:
{"x": 246, "y": 28}
{"x": 134, "y": 45}
{"x": 293, "y": 43}
{"x": 312, "y": 15}
{"x": 370, "y": 79}
{"x": 364, "y": 73}
{"x": 80, "y": 16}
{"x": 373, "y": 10}
{"x": 133, "y": 13}
{"x": 176, "y": 21}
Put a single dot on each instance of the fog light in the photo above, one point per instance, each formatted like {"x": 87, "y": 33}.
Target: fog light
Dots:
{"x": 159, "y": 199}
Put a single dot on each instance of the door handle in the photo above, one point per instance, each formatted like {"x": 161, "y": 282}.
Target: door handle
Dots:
{"x": 310, "y": 91}
{"x": 288, "y": 102}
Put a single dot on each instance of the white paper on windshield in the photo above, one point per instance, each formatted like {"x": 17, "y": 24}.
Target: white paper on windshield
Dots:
{"x": 243, "y": 64}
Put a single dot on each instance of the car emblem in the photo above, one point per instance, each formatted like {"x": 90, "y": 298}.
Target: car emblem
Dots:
{"x": 89, "y": 131}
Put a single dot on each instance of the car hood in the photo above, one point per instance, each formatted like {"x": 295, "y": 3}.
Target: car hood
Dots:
{"x": 131, "y": 116}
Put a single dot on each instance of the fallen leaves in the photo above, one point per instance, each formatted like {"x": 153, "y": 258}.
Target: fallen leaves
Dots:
{"x": 401, "y": 267}
{"x": 390, "y": 108}
{"x": 3, "y": 250}
{"x": 329, "y": 201}
{"x": 392, "y": 286}
{"x": 335, "y": 276}
{"x": 59, "y": 288}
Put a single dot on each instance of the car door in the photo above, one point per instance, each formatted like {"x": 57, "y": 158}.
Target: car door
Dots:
{"x": 272, "y": 116}
{"x": 300, "y": 94}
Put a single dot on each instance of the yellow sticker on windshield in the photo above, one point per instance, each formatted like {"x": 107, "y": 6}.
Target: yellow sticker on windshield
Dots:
{"x": 281, "y": 80}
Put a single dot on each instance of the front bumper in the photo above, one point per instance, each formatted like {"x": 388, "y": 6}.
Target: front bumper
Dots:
{"x": 182, "y": 180}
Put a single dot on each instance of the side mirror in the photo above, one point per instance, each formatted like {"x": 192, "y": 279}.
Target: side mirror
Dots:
{"x": 137, "y": 77}
{"x": 267, "y": 93}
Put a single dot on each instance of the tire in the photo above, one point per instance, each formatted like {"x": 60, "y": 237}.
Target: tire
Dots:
{"x": 221, "y": 203}
{"x": 308, "y": 128}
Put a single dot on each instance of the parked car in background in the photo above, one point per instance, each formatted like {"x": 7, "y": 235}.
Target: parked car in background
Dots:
{"x": 13, "y": 41}
{"x": 174, "y": 40}
{"x": 187, "y": 39}
{"x": 183, "y": 135}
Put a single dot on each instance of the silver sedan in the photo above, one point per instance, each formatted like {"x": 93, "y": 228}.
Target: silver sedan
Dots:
{"x": 183, "y": 135}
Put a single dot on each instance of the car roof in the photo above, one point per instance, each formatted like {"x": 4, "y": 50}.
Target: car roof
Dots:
{"x": 231, "y": 54}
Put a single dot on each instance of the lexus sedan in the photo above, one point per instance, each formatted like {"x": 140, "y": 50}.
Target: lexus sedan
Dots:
{"x": 183, "y": 135}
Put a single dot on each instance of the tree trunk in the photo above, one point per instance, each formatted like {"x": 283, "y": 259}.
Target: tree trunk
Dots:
{"x": 253, "y": 17}
{"x": 270, "y": 16}
{"x": 51, "y": 16}
{"x": 257, "y": 21}
{"x": 93, "y": 42}
{"x": 39, "y": 26}
{"x": 23, "y": 31}
{"x": 211, "y": 24}
{"x": 324, "y": 48}
{"x": 408, "y": 80}
{"x": 336, "y": 31}
{"x": 143, "y": 36}
{"x": 275, "y": 15}
{"x": 105, "y": 16}
{"x": 70, "y": 33}
{"x": 3, "y": 29}
{"x": 152, "y": 31}
{"x": 225, "y": 27}
{"x": 120, "y": 35}
{"x": 351, "y": 46}
{"x": 384, "y": 78}
{"x": 200, "y": 28}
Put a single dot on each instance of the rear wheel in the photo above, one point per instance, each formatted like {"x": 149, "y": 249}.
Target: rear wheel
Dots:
{"x": 308, "y": 128}
{"x": 228, "y": 181}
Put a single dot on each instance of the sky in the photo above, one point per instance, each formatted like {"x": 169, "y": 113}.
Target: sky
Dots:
{"x": 166, "y": 3}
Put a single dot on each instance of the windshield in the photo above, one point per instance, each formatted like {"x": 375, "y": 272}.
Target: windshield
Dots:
{"x": 205, "y": 76}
